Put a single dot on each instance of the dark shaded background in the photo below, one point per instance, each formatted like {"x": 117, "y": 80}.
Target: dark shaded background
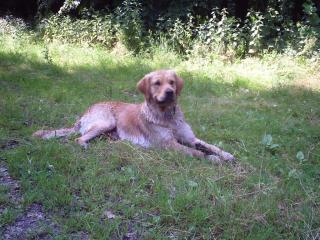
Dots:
{"x": 153, "y": 9}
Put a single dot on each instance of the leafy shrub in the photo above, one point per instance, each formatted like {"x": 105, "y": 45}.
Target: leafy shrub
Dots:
{"x": 97, "y": 28}
{"x": 68, "y": 5}
{"x": 129, "y": 25}
{"x": 180, "y": 34}
{"x": 12, "y": 26}
{"x": 220, "y": 33}
{"x": 309, "y": 30}
{"x": 92, "y": 28}
{"x": 255, "y": 24}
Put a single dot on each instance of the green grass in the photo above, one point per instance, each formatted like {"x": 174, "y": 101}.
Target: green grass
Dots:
{"x": 269, "y": 194}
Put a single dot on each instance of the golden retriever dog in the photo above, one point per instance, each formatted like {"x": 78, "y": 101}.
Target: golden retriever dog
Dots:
{"x": 157, "y": 122}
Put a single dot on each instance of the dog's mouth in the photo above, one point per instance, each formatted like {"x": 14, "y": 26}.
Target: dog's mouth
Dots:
{"x": 165, "y": 100}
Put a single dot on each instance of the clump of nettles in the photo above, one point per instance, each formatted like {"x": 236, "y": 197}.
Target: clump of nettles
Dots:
{"x": 10, "y": 25}
{"x": 92, "y": 28}
{"x": 185, "y": 32}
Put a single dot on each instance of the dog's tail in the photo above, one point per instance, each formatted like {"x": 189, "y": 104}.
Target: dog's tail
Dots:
{"x": 62, "y": 132}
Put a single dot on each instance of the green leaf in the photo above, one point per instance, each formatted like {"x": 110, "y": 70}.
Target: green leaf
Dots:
{"x": 267, "y": 140}
{"x": 293, "y": 173}
{"x": 156, "y": 219}
{"x": 274, "y": 146}
{"x": 192, "y": 183}
{"x": 300, "y": 156}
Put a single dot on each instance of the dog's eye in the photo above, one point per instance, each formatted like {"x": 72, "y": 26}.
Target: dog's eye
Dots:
{"x": 157, "y": 83}
{"x": 171, "y": 82}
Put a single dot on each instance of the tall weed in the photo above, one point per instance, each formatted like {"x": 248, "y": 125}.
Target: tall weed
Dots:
{"x": 92, "y": 28}
{"x": 129, "y": 25}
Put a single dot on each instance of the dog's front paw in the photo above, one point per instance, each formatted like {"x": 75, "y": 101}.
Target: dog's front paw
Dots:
{"x": 214, "y": 159}
{"x": 228, "y": 157}
{"x": 82, "y": 143}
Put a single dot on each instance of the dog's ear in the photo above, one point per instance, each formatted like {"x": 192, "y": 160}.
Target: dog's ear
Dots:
{"x": 143, "y": 86}
{"x": 179, "y": 83}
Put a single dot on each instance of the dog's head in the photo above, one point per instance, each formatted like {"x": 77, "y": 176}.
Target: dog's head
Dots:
{"x": 161, "y": 87}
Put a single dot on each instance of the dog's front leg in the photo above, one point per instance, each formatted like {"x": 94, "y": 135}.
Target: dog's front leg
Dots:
{"x": 209, "y": 148}
{"x": 175, "y": 145}
{"x": 185, "y": 135}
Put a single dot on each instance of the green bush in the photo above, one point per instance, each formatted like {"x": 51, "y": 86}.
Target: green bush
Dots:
{"x": 220, "y": 33}
{"x": 15, "y": 27}
{"x": 129, "y": 25}
{"x": 180, "y": 35}
{"x": 92, "y": 29}
{"x": 309, "y": 31}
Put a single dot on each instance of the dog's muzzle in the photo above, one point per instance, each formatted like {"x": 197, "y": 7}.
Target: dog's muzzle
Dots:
{"x": 168, "y": 97}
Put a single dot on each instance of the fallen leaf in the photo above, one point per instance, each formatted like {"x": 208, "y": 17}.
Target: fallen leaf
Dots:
{"x": 109, "y": 214}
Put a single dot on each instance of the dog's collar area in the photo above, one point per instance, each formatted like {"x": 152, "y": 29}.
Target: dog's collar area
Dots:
{"x": 157, "y": 117}
{"x": 171, "y": 113}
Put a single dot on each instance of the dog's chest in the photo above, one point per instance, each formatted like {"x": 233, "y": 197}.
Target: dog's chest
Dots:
{"x": 145, "y": 128}
{"x": 134, "y": 138}
{"x": 147, "y": 136}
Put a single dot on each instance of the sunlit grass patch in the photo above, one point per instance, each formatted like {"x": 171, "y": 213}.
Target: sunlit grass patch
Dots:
{"x": 249, "y": 107}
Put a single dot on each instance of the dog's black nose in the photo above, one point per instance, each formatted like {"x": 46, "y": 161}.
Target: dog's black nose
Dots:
{"x": 169, "y": 93}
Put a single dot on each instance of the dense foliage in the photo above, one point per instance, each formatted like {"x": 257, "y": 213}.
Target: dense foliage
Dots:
{"x": 230, "y": 28}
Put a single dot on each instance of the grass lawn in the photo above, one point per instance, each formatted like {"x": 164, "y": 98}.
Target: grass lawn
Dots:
{"x": 265, "y": 111}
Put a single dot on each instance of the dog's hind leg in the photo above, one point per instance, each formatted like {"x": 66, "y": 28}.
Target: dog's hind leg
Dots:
{"x": 63, "y": 132}
{"x": 95, "y": 130}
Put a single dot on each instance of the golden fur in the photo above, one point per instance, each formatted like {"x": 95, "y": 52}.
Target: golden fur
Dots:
{"x": 157, "y": 122}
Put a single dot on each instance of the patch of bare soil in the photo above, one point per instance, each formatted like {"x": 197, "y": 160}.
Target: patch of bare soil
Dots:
{"x": 9, "y": 144}
{"x": 11, "y": 184}
{"x": 131, "y": 234}
{"x": 33, "y": 223}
